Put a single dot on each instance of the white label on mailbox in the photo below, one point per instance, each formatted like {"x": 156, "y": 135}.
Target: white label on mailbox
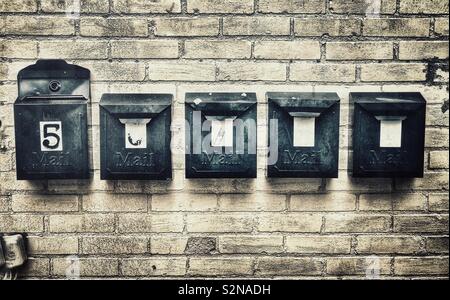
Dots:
{"x": 51, "y": 136}
{"x": 135, "y": 133}
{"x": 391, "y": 133}
{"x": 222, "y": 133}
{"x": 304, "y": 131}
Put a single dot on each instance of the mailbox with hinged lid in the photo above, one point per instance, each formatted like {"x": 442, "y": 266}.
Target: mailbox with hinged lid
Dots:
{"x": 135, "y": 136}
{"x": 221, "y": 135}
{"x": 388, "y": 134}
{"x": 51, "y": 121}
{"x": 303, "y": 135}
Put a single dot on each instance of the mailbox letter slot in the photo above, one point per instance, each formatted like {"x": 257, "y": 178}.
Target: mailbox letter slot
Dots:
{"x": 308, "y": 134}
{"x": 51, "y": 121}
{"x": 388, "y": 134}
{"x": 135, "y": 136}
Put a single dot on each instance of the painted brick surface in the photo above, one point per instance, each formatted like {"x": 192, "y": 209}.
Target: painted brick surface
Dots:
{"x": 265, "y": 228}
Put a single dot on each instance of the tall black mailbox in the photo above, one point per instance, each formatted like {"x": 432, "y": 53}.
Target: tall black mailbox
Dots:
{"x": 388, "y": 134}
{"x": 221, "y": 135}
{"x": 51, "y": 121}
{"x": 135, "y": 136}
{"x": 304, "y": 133}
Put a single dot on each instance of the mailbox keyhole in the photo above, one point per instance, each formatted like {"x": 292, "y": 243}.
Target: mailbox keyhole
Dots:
{"x": 54, "y": 85}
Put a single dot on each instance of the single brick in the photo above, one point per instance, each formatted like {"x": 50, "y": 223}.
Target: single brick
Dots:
{"x": 252, "y": 202}
{"x": 360, "y": 50}
{"x": 182, "y": 71}
{"x": 430, "y": 181}
{"x": 70, "y": 49}
{"x": 201, "y": 245}
{"x": 5, "y": 158}
{"x": 220, "y": 6}
{"x": 183, "y": 26}
{"x": 136, "y": 223}
{"x": 438, "y": 160}
{"x": 323, "y": 202}
{"x": 222, "y": 186}
{"x": 391, "y": 201}
{"x": 145, "y": 6}
{"x": 252, "y": 26}
{"x": 369, "y": 266}
{"x": 292, "y": 6}
{"x": 421, "y": 266}
{"x": 15, "y": 6}
{"x": 438, "y": 202}
{"x": 10, "y": 49}
{"x": 93, "y": 223}
{"x": 312, "y": 72}
{"x": 237, "y": 71}
{"x": 419, "y": 27}
{"x": 250, "y": 244}
{"x": 111, "y": 27}
{"x": 9, "y": 71}
{"x": 21, "y": 223}
{"x": 220, "y": 266}
{"x": 88, "y": 267}
{"x": 436, "y": 137}
{"x": 388, "y": 245}
{"x": 35, "y": 267}
{"x": 357, "y": 223}
{"x": 71, "y": 7}
{"x": 4, "y": 203}
{"x": 363, "y": 7}
{"x": 318, "y": 244}
{"x": 144, "y": 49}
{"x": 115, "y": 71}
{"x": 393, "y": 72}
{"x": 168, "y": 244}
{"x": 421, "y": 223}
{"x": 437, "y": 244}
{"x": 436, "y": 117}
{"x": 331, "y": 27}
{"x": 52, "y": 245}
{"x": 288, "y": 266}
{"x": 442, "y": 74}
{"x": 44, "y": 203}
{"x": 418, "y": 50}
{"x": 292, "y": 222}
{"x": 102, "y": 202}
{"x": 184, "y": 202}
{"x": 424, "y": 7}
{"x": 139, "y": 267}
{"x": 220, "y": 223}
{"x": 217, "y": 49}
{"x": 441, "y": 26}
{"x": 114, "y": 245}
{"x": 48, "y": 26}
{"x": 287, "y": 50}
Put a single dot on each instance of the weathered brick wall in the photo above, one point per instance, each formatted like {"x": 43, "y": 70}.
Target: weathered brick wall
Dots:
{"x": 321, "y": 228}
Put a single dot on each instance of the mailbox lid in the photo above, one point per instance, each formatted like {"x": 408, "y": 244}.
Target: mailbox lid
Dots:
{"x": 317, "y": 160}
{"x": 370, "y": 159}
{"x": 221, "y": 164}
{"x": 149, "y": 162}
{"x": 53, "y": 77}
{"x": 124, "y": 104}
{"x": 221, "y": 104}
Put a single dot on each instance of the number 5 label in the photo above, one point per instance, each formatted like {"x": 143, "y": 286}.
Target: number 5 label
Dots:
{"x": 51, "y": 136}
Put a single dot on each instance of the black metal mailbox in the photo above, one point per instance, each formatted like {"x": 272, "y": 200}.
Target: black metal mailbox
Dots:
{"x": 51, "y": 119}
{"x": 221, "y": 135}
{"x": 388, "y": 134}
{"x": 304, "y": 133}
{"x": 135, "y": 136}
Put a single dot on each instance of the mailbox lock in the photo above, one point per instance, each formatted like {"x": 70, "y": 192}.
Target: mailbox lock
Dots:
{"x": 54, "y": 85}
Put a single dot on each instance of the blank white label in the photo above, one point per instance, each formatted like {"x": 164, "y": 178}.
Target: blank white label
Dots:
{"x": 304, "y": 131}
{"x": 135, "y": 133}
{"x": 51, "y": 136}
{"x": 222, "y": 133}
{"x": 391, "y": 133}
